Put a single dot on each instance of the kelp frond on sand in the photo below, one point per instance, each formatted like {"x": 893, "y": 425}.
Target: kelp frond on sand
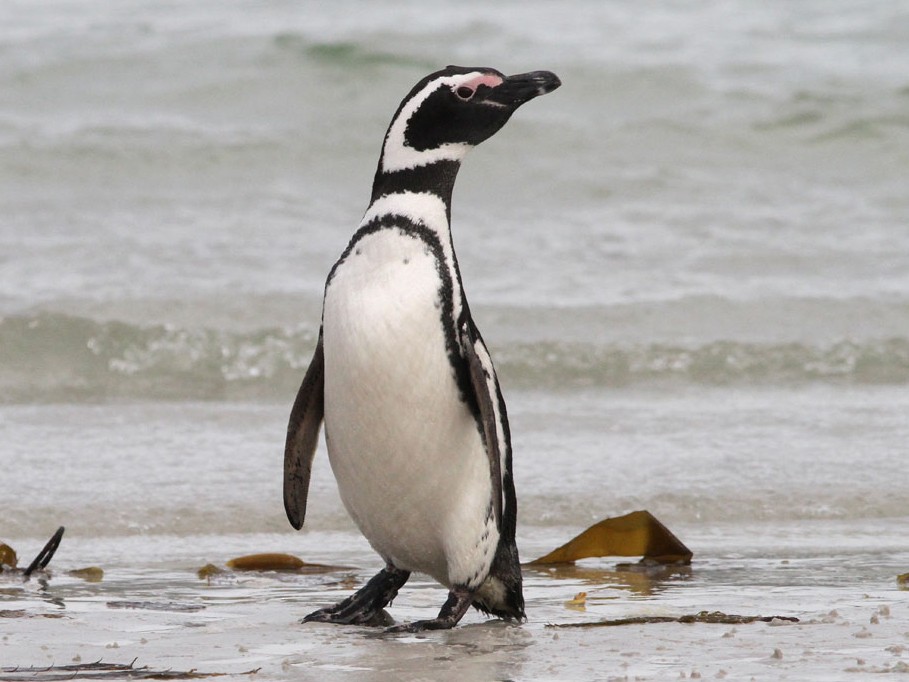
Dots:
{"x": 717, "y": 617}
{"x": 638, "y": 533}
{"x": 284, "y": 563}
{"x": 102, "y": 671}
{"x": 9, "y": 559}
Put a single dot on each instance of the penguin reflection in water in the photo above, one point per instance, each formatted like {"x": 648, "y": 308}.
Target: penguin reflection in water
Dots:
{"x": 415, "y": 423}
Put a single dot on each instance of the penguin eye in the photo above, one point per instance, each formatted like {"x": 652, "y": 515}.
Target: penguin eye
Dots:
{"x": 464, "y": 93}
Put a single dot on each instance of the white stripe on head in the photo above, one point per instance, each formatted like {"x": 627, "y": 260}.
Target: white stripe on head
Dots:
{"x": 397, "y": 155}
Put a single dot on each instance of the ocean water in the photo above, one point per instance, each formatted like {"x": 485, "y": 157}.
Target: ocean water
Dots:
{"x": 690, "y": 264}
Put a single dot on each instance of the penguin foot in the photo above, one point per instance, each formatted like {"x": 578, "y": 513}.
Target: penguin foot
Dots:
{"x": 378, "y": 619}
{"x": 365, "y": 606}
{"x": 452, "y": 611}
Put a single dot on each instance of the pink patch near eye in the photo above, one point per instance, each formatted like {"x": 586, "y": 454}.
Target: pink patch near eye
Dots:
{"x": 488, "y": 79}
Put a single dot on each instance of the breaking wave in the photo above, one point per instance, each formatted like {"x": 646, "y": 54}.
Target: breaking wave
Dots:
{"x": 718, "y": 362}
{"x": 50, "y": 357}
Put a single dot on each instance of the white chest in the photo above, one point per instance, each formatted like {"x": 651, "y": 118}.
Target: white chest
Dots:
{"x": 385, "y": 336}
{"x": 405, "y": 449}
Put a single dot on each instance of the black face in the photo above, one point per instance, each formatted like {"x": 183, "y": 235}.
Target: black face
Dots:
{"x": 473, "y": 111}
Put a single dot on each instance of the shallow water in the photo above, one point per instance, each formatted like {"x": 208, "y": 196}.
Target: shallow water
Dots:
{"x": 689, "y": 263}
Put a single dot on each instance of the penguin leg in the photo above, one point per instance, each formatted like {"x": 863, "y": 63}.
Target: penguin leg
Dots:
{"x": 452, "y": 611}
{"x": 364, "y": 606}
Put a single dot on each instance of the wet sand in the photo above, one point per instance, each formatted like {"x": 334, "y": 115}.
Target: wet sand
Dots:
{"x": 168, "y": 619}
{"x": 152, "y": 492}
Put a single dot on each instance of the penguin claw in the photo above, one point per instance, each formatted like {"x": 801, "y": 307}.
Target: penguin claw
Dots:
{"x": 320, "y": 616}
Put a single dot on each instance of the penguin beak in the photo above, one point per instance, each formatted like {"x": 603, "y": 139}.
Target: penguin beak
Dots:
{"x": 523, "y": 87}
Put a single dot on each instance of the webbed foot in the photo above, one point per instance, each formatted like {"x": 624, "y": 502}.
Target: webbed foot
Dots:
{"x": 366, "y": 605}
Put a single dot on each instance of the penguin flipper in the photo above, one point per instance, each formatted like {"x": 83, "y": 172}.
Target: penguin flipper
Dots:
{"x": 485, "y": 388}
{"x": 302, "y": 438}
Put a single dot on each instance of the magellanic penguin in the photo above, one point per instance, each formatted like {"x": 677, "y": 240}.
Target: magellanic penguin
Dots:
{"x": 415, "y": 423}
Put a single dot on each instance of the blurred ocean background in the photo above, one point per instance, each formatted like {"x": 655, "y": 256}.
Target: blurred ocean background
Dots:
{"x": 691, "y": 265}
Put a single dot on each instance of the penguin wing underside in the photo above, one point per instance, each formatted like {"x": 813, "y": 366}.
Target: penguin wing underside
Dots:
{"x": 302, "y": 438}
{"x": 483, "y": 381}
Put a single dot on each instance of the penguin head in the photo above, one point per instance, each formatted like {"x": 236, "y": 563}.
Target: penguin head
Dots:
{"x": 450, "y": 111}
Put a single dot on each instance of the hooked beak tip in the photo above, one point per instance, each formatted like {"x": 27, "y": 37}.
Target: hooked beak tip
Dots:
{"x": 548, "y": 82}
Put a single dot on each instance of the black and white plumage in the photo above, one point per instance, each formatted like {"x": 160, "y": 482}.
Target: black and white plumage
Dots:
{"x": 415, "y": 423}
